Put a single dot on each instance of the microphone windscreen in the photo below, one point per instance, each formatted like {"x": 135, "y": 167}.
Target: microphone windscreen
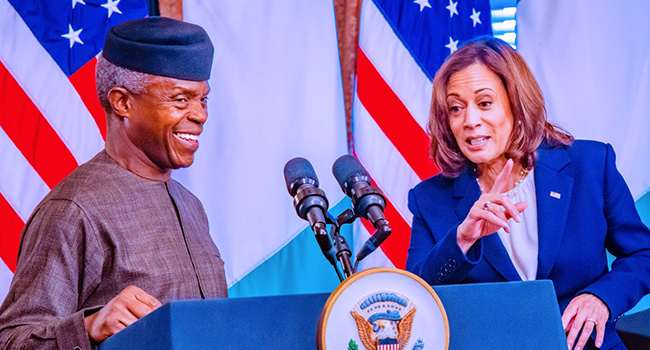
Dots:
{"x": 345, "y": 169}
{"x": 299, "y": 171}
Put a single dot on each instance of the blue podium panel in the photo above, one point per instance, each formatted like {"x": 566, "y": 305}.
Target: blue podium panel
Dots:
{"x": 514, "y": 315}
{"x": 283, "y": 322}
{"x": 498, "y": 316}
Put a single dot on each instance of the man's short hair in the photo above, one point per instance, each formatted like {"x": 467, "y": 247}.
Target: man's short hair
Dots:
{"x": 108, "y": 76}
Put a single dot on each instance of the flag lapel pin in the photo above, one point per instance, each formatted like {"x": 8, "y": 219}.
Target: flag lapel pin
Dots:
{"x": 555, "y": 195}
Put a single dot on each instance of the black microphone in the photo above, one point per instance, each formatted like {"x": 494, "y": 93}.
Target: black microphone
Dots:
{"x": 368, "y": 201}
{"x": 309, "y": 201}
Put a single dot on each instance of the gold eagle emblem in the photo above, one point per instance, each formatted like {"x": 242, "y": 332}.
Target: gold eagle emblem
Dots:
{"x": 384, "y": 320}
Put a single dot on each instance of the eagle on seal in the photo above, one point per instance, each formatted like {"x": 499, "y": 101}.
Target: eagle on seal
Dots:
{"x": 390, "y": 328}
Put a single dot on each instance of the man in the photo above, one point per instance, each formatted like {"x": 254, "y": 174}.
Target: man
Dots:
{"x": 118, "y": 236}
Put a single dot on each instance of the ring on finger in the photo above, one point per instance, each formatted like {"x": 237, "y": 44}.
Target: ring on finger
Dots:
{"x": 486, "y": 206}
{"x": 592, "y": 321}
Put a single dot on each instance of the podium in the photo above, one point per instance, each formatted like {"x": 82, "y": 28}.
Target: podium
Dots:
{"x": 634, "y": 330}
{"x": 499, "y": 316}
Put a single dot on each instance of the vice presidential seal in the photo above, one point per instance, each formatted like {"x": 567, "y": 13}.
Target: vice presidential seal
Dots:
{"x": 384, "y": 320}
{"x": 383, "y": 309}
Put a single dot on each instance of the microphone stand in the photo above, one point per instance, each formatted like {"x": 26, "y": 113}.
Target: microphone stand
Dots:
{"x": 341, "y": 247}
{"x": 343, "y": 252}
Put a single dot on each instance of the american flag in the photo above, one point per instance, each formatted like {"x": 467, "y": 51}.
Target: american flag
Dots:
{"x": 401, "y": 46}
{"x": 50, "y": 118}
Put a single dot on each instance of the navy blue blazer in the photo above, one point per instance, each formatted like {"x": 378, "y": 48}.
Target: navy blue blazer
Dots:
{"x": 594, "y": 211}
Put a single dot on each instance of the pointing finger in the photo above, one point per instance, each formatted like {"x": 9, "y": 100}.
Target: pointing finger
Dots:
{"x": 502, "y": 179}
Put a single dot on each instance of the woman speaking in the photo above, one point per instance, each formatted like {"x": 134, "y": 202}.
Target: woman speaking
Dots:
{"x": 519, "y": 199}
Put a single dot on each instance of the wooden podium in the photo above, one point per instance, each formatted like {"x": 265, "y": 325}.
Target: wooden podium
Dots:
{"x": 499, "y": 316}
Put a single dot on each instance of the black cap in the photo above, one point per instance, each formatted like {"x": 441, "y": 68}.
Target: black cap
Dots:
{"x": 161, "y": 46}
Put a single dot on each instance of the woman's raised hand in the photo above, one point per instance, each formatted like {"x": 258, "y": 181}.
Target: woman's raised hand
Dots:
{"x": 490, "y": 212}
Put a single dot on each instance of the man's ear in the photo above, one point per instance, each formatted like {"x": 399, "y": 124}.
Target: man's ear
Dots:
{"x": 121, "y": 101}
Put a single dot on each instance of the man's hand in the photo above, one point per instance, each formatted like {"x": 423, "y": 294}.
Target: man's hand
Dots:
{"x": 127, "y": 307}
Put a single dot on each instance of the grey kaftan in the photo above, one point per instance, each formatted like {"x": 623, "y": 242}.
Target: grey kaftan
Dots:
{"x": 100, "y": 230}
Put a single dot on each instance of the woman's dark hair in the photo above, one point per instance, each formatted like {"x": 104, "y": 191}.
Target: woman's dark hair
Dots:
{"x": 530, "y": 127}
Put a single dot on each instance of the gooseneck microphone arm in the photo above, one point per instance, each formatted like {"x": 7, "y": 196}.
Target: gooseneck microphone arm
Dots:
{"x": 343, "y": 252}
{"x": 382, "y": 232}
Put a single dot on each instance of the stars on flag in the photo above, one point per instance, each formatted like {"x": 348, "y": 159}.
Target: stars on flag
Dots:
{"x": 452, "y": 46}
{"x": 75, "y": 2}
{"x": 111, "y": 6}
{"x": 73, "y": 35}
{"x": 423, "y": 4}
{"x": 452, "y": 8}
{"x": 475, "y": 17}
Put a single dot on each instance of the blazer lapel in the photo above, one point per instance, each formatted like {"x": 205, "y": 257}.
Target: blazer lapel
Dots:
{"x": 553, "y": 191}
{"x": 467, "y": 191}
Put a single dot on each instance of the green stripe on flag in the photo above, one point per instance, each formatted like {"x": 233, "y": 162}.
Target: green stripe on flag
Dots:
{"x": 298, "y": 268}
{"x": 643, "y": 207}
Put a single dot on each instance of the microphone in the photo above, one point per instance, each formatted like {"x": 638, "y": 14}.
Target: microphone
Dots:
{"x": 309, "y": 201}
{"x": 368, "y": 201}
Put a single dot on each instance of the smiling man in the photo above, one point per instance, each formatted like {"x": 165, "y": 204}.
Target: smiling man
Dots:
{"x": 118, "y": 237}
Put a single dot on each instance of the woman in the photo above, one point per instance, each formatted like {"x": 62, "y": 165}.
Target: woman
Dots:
{"x": 519, "y": 199}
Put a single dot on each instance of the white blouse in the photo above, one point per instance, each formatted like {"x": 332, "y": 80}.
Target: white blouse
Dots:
{"x": 522, "y": 241}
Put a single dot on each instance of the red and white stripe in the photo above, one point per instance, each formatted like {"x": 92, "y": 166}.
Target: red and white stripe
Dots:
{"x": 388, "y": 347}
{"x": 390, "y": 113}
{"x": 49, "y": 124}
